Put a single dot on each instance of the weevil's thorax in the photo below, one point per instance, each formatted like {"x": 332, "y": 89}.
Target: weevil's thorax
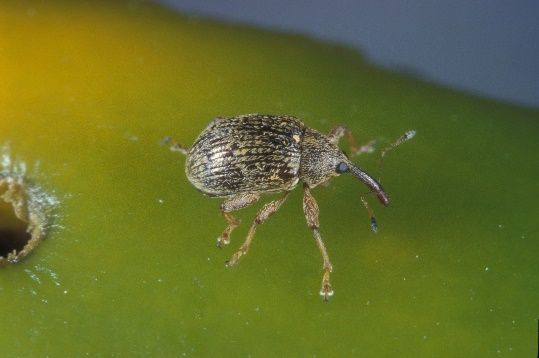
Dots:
{"x": 319, "y": 158}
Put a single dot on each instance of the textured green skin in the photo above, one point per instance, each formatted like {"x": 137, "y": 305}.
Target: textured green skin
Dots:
{"x": 259, "y": 154}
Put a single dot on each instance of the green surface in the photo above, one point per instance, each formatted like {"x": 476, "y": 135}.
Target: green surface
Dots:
{"x": 130, "y": 266}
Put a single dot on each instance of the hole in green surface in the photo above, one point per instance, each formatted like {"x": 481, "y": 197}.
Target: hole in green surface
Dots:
{"x": 23, "y": 217}
{"x": 13, "y": 231}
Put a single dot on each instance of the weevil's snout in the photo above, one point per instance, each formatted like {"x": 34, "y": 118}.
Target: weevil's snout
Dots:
{"x": 383, "y": 197}
{"x": 371, "y": 183}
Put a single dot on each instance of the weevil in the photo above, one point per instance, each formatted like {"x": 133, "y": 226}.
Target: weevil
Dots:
{"x": 243, "y": 157}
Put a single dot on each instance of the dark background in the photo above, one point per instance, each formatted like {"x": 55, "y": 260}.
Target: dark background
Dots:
{"x": 487, "y": 47}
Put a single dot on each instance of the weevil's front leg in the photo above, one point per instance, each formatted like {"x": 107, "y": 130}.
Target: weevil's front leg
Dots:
{"x": 235, "y": 203}
{"x": 175, "y": 146}
{"x": 337, "y": 133}
{"x": 409, "y": 134}
{"x": 310, "y": 208}
{"x": 264, "y": 213}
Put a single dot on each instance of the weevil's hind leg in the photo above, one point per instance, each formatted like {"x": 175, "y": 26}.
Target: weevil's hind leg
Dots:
{"x": 264, "y": 213}
{"x": 235, "y": 203}
{"x": 337, "y": 133}
{"x": 174, "y": 146}
{"x": 310, "y": 208}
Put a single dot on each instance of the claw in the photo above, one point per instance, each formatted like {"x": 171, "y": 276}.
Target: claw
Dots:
{"x": 326, "y": 291}
{"x": 231, "y": 262}
{"x": 222, "y": 240}
{"x": 234, "y": 259}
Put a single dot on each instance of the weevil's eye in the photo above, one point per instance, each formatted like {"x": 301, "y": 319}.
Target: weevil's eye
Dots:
{"x": 342, "y": 167}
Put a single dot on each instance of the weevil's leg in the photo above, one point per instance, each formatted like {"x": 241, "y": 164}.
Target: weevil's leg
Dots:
{"x": 264, "y": 213}
{"x": 372, "y": 218}
{"x": 235, "y": 203}
{"x": 402, "y": 139}
{"x": 310, "y": 208}
{"x": 174, "y": 146}
{"x": 338, "y": 132}
{"x": 335, "y": 134}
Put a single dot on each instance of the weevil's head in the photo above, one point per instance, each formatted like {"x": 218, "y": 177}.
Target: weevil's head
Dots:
{"x": 321, "y": 160}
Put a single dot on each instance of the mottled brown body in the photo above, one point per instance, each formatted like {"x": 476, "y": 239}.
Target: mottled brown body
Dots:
{"x": 246, "y": 154}
{"x": 243, "y": 157}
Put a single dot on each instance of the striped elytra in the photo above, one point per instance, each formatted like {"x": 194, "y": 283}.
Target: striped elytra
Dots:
{"x": 250, "y": 153}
